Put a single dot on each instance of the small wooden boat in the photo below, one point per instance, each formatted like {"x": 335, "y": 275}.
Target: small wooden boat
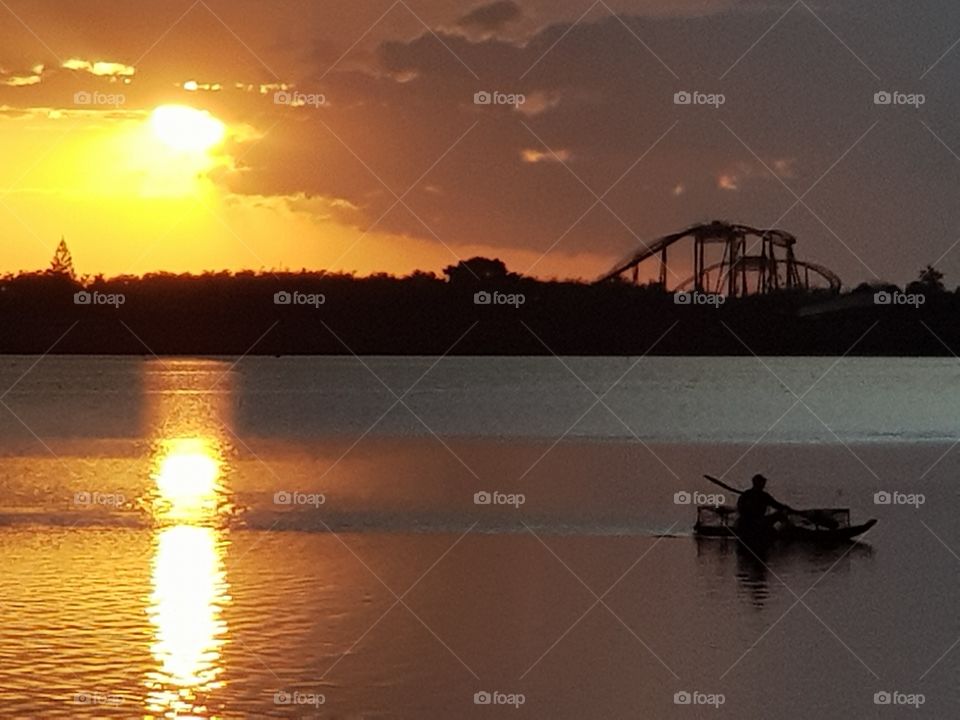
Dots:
{"x": 821, "y": 526}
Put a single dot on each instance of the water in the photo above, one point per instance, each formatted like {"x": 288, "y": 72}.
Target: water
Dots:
{"x": 223, "y": 538}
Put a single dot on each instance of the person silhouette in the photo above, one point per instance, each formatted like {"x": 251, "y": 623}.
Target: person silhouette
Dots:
{"x": 752, "y": 507}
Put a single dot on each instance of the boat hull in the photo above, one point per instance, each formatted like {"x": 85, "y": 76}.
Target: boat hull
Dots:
{"x": 787, "y": 533}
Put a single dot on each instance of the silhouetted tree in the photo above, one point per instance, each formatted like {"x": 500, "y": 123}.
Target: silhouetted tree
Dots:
{"x": 930, "y": 280}
{"x": 220, "y": 313}
{"x": 62, "y": 263}
{"x": 477, "y": 269}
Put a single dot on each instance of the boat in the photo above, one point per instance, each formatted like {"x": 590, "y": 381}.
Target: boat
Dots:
{"x": 819, "y": 526}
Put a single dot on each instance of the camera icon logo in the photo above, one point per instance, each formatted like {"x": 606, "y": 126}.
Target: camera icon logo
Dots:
{"x": 82, "y": 298}
{"x": 282, "y": 298}
{"x": 882, "y": 98}
{"x": 882, "y": 298}
{"x": 282, "y": 97}
{"x": 482, "y": 498}
{"x": 882, "y": 698}
{"x": 683, "y": 298}
{"x": 682, "y": 98}
{"x": 682, "y": 698}
{"x": 882, "y": 498}
{"x": 682, "y": 498}
{"x": 482, "y": 698}
{"x": 482, "y": 298}
{"x": 282, "y": 697}
{"x": 282, "y": 497}
{"x": 81, "y": 498}
{"x": 82, "y": 97}
{"x": 482, "y": 98}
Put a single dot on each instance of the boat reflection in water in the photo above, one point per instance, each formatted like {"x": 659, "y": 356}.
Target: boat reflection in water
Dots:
{"x": 754, "y": 567}
{"x": 190, "y": 587}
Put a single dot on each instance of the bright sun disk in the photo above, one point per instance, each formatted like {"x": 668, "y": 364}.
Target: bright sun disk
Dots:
{"x": 186, "y": 129}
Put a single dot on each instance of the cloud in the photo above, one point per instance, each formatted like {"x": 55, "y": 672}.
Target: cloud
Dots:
{"x": 491, "y": 18}
{"x": 784, "y": 167}
{"x": 24, "y": 79}
{"x": 728, "y": 182}
{"x": 597, "y": 95}
{"x": 194, "y": 86}
{"x": 21, "y": 80}
{"x": 538, "y": 156}
{"x": 539, "y": 102}
{"x": 56, "y": 113}
{"x": 733, "y": 177}
{"x": 100, "y": 68}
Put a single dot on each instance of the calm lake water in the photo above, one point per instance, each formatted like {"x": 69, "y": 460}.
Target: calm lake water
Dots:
{"x": 310, "y": 538}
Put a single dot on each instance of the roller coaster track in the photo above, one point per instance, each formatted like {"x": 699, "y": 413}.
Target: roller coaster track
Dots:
{"x": 740, "y": 270}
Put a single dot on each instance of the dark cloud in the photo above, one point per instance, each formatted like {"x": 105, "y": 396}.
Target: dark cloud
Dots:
{"x": 600, "y": 95}
{"x": 492, "y": 17}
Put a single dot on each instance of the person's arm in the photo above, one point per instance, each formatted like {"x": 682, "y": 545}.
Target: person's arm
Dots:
{"x": 776, "y": 504}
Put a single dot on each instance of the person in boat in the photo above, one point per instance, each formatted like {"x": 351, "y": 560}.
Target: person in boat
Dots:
{"x": 753, "y": 506}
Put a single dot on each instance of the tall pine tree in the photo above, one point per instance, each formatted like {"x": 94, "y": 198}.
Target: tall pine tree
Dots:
{"x": 62, "y": 263}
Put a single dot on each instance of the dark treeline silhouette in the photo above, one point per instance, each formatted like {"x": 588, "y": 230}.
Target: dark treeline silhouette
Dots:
{"x": 490, "y": 311}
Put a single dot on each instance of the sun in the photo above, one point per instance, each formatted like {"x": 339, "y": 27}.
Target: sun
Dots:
{"x": 186, "y": 129}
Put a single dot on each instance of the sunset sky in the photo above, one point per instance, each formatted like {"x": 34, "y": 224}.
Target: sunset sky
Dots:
{"x": 385, "y": 162}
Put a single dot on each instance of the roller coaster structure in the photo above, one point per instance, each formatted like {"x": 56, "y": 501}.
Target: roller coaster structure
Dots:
{"x": 740, "y": 270}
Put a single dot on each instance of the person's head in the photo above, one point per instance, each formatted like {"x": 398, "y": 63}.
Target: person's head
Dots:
{"x": 759, "y": 482}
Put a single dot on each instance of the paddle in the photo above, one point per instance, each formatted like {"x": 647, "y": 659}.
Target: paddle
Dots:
{"x": 811, "y": 515}
{"x": 723, "y": 485}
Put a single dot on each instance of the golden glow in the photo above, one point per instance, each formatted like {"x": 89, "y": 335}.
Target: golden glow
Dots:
{"x": 186, "y": 129}
{"x": 190, "y": 500}
{"x": 189, "y": 592}
{"x": 187, "y": 478}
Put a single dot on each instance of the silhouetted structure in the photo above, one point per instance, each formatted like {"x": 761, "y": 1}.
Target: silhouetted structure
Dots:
{"x": 739, "y": 271}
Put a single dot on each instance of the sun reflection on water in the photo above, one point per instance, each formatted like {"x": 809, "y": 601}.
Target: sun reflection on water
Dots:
{"x": 187, "y": 477}
{"x": 190, "y": 587}
{"x": 189, "y": 591}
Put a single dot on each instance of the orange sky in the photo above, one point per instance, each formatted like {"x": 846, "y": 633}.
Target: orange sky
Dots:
{"x": 82, "y": 161}
{"x": 127, "y": 203}
{"x": 376, "y": 156}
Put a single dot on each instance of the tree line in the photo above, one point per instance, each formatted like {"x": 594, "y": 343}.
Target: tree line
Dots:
{"x": 476, "y": 307}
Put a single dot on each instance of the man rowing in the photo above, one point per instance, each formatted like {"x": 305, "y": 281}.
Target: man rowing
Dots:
{"x": 752, "y": 507}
